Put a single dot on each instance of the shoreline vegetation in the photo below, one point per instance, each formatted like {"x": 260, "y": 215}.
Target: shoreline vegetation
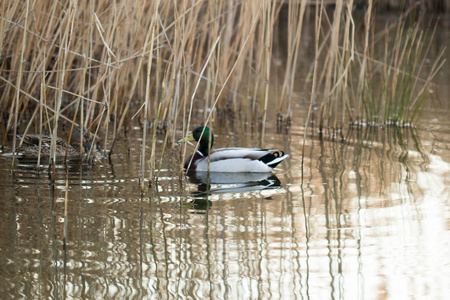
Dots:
{"x": 103, "y": 64}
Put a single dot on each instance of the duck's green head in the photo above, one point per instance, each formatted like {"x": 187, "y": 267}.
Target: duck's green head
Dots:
{"x": 201, "y": 134}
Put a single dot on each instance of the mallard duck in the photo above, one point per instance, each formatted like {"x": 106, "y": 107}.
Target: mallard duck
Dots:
{"x": 30, "y": 146}
{"x": 242, "y": 160}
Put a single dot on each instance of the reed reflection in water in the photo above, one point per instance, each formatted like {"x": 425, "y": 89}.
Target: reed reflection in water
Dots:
{"x": 363, "y": 217}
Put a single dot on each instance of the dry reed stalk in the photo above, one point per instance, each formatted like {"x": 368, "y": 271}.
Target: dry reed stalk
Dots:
{"x": 269, "y": 15}
{"x": 92, "y": 59}
{"x": 317, "y": 26}
{"x": 19, "y": 78}
{"x": 193, "y": 96}
{"x": 362, "y": 72}
{"x": 254, "y": 21}
{"x": 152, "y": 156}
{"x": 296, "y": 13}
{"x": 41, "y": 120}
{"x": 68, "y": 24}
{"x": 149, "y": 39}
{"x": 315, "y": 80}
{"x": 332, "y": 66}
{"x": 66, "y": 206}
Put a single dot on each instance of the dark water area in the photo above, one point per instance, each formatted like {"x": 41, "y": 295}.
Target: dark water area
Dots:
{"x": 368, "y": 218}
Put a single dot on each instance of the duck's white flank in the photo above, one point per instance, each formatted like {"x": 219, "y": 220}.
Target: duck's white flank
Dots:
{"x": 239, "y": 160}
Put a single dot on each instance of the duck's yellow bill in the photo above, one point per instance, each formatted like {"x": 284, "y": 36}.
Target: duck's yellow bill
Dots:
{"x": 189, "y": 138}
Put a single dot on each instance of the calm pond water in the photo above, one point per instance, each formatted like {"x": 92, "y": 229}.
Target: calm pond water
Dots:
{"x": 364, "y": 219}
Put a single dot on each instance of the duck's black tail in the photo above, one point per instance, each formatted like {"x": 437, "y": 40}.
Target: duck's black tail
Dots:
{"x": 274, "y": 158}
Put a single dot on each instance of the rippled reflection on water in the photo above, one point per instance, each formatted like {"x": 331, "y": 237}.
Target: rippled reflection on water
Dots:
{"x": 364, "y": 218}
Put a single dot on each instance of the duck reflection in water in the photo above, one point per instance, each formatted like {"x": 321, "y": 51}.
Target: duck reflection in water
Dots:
{"x": 228, "y": 183}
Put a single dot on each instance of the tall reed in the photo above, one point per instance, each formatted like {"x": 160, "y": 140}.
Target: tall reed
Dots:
{"x": 96, "y": 65}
